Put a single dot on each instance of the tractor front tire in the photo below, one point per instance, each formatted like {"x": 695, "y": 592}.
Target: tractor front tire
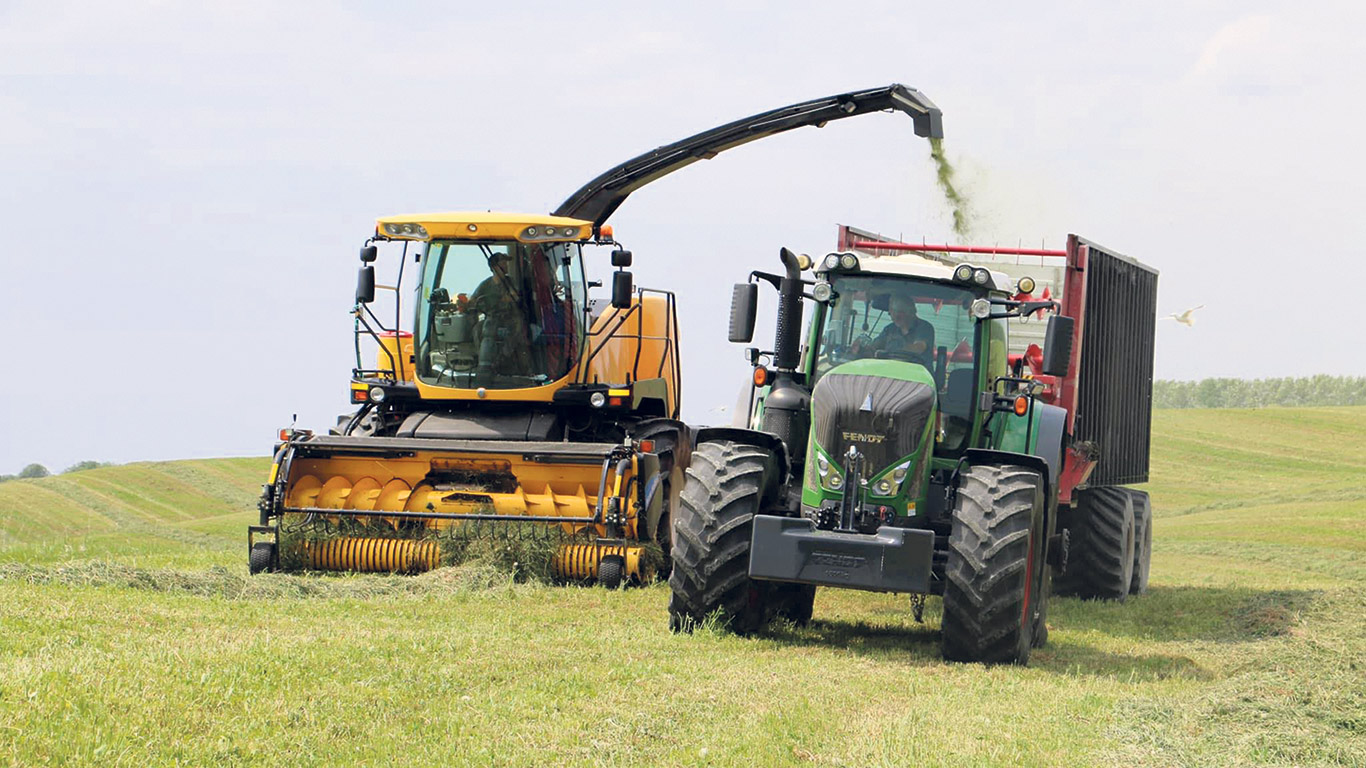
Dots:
{"x": 1101, "y": 559}
{"x": 712, "y": 528}
{"x": 991, "y": 596}
{"x": 1143, "y": 541}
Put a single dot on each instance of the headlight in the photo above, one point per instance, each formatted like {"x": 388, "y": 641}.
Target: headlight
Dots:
{"x": 532, "y": 231}
{"x": 822, "y": 292}
{"x": 1026, "y": 285}
{"x": 822, "y": 466}
{"x": 407, "y": 229}
{"x": 981, "y": 276}
{"x": 378, "y": 395}
{"x": 597, "y": 399}
{"x": 981, "y": 309}
{"x": 836, "y": 481}
{"x": 883, "y": 487}
{"x": 831, "y": 261}
{"x": 848, "y": 261}
{"x": 963, "y": 273}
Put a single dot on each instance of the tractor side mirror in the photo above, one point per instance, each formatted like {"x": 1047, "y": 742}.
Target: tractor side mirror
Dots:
{"x": 365, "y": 285}
{"x": 744, "y": 304}
{"x": 621, "y": 258}
{"x": 369, "y": 253}
{"x": 622, "y": 288}
{"x": 1057, "y": 345}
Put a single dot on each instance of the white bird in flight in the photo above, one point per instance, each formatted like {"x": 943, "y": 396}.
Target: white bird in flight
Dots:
{"x": 1187, "y": 317}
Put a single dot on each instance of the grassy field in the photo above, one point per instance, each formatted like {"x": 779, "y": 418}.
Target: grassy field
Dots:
{"x": 130, "y": 634}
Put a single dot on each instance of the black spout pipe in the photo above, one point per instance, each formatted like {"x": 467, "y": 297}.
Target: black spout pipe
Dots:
{"x": 787, "y": 345}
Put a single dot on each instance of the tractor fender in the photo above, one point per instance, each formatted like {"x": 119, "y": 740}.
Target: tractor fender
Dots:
{"x": 765, "y": 440}
{"x": 1051, "y": 421}
{"x": 975, "y": 456}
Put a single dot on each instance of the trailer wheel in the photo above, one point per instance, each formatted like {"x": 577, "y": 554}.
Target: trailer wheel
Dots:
{"x": 711, "y": 537}
{"x": 996, "y": 548}
{"x": 261, "y": 558}
{"x": 1101, "y": 562}
{"x": 1143, "y": 541}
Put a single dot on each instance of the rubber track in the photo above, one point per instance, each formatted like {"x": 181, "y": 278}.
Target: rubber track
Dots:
{"x": 712, "y": 530}
{"x": 1143, "y": 541}
{"x": 1101, "y": 561}
{"x": 988, "y": 559}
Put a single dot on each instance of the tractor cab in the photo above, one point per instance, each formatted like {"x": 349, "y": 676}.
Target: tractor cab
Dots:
{"x": 899, "y": 350}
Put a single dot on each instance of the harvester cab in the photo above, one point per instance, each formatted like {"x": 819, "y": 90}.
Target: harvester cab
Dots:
{"x": 906, "y": 446}
{"x": 514, "y": 405}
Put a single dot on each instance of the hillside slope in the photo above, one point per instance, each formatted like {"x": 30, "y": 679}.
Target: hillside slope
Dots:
{"x": 125, "y": 606}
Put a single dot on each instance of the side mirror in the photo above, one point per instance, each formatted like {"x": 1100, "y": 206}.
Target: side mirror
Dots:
{"x": 621, "y": 258}
{"x": 622, "y": 288}
{"x": 369, "y": 253}
{"x": 365, "y": 285}
{"x": 744, "y": 303}
{"x": 1057, "y": 345}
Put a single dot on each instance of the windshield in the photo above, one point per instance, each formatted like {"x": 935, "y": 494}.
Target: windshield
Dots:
{"x": 879, "y": 316}
{"x": 500, "y": 315}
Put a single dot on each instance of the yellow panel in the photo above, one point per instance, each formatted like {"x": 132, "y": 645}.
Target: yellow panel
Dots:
{"x": 616, "y": 362}
{"x": 486, "y": 225}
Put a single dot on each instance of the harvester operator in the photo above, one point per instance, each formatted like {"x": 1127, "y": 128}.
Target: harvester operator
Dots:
{"x": 504, "y": 346}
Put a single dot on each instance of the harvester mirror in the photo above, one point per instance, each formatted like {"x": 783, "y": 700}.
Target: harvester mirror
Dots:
{"x": 621, "y": 258}
{"x": 369, "y": 253}
{"x": 365, "y": 285}
{"x": 744, "y": 304}
{"x": 622, "y": 288}
{"x": 1057, "y": 345}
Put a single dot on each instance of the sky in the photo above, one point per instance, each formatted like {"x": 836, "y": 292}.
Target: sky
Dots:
{"x": 184, "y": 186}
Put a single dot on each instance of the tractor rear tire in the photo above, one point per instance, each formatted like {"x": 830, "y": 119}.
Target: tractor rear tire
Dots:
{"x": 1143, "y": 542}
{"x": 1040, "y": 633}
{"x": 996, "y": 548}
{"x": 712, "y": 529}
{"x": 795, "y": 602}
{"x": 1101, "y": 558}
{"x": 261, "y": 558}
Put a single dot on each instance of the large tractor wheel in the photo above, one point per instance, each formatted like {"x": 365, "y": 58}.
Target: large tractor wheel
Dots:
{"x": 1101, "y": 560}
{"x": 1143, "y": 541}
{"x": 711, "y": 536}
{"x": 996, "y": 548}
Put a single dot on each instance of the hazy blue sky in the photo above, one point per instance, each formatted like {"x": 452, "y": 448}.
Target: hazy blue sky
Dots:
{"x": 184, "y": 185}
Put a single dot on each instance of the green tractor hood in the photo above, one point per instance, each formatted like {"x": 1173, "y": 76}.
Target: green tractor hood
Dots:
{"x": 884, "y": 409}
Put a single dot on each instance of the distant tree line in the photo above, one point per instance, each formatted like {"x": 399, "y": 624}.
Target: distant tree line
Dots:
{"x": 34, "y": 471}
{"x": 1260, "y": 393}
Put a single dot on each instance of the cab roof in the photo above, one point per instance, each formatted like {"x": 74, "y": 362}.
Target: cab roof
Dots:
{"x": 482, "y": 225}
{"x": 910, "y": 264}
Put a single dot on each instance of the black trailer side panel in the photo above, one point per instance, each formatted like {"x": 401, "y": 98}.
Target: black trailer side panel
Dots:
{"x": 1115, "y": 386}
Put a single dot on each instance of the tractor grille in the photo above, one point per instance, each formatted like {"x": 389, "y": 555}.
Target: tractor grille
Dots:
{"x": 899, "y": 412}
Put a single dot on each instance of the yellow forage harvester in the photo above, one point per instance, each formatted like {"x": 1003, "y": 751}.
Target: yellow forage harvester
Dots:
{"x": 514, "y": 401}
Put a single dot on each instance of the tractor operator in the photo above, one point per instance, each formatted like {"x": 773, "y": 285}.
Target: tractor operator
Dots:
{"x": 907, "y": 336}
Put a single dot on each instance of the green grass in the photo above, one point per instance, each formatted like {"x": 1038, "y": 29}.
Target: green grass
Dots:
{"x": 131, "y": 634}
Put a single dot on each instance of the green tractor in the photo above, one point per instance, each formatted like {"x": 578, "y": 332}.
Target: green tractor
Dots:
{"x": 907, "y": 447}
